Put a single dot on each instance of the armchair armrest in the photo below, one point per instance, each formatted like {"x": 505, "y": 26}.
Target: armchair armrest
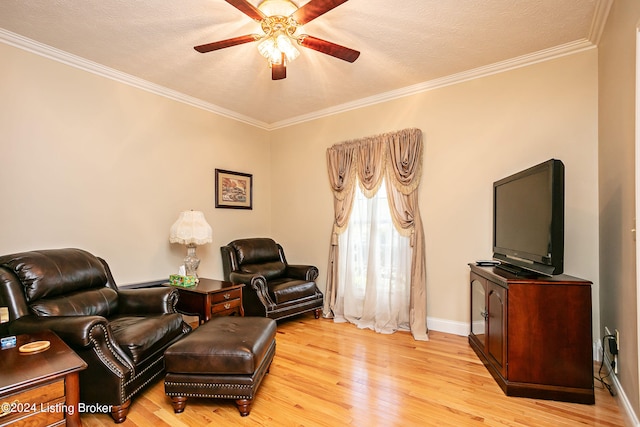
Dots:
{"x": 74, "y": 330}
{"x": 147, "y": 300}
{"x": 302, "y": 272}
{"x": 238, "y": 277}
{"x": 86, "y": 334}
{"x": 257, "y": 282}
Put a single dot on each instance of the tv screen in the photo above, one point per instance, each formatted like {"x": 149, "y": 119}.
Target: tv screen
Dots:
{"x": 528, "y": 221}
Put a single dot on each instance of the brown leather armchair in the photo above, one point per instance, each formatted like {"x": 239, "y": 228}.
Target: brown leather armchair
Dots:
{"x": 274, "y": 288}
{"x": 120, "y": 333}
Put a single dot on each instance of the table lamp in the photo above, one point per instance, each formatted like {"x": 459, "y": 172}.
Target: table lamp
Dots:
{"x": 191, "y": 229}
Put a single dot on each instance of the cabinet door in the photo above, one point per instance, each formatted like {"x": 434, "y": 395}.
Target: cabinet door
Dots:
{"x": 496, "y": 326}
{"x": 479, "y": 309}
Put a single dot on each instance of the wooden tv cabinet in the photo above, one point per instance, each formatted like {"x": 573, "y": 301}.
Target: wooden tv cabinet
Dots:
{"x": 533, "y": 334}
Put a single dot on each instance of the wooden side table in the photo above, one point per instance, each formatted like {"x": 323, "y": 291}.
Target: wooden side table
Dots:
{"x": 41, "y": 388}
{"x": 210, "y": 298}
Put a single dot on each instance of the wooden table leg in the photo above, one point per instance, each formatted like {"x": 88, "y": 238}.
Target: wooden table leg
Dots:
{"x": 72, "y": 394}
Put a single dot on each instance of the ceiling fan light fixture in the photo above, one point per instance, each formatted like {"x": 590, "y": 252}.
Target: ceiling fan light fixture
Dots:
{"x": 274, "y": 46}
{"x": 268, "y": 49}
{"x": 284, "y": 45}
{"x": 278, "y": 43}
{"x": 281, "y": 22}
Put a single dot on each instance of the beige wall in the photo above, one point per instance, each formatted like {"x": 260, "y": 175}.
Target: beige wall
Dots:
{"x": 618, "y": 293}
{"x": 100, "y": 165}
{"x": 475, "y": 133}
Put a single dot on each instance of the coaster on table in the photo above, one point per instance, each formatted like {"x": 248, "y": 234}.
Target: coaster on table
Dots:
{"x": 32, "y": 347}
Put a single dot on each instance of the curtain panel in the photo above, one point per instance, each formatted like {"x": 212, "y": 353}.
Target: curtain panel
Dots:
{"x": 397, "y": 157}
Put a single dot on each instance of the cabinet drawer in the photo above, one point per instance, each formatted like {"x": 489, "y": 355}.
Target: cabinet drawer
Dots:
{"x": 41, "y": 414}
{"x": 34, "y": 407}
{"x": 217, "y": 309}
{"x": 225, "y": 296}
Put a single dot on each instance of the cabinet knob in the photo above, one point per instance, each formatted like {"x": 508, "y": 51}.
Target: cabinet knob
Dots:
{"x": 227, "y": 306}
{"x": 227, "y": 296}
{"x": 484, "y": 314}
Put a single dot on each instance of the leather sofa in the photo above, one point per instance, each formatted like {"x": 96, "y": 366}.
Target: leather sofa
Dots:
{"x": 120, "y": 333}
{"x": 274, "y": 288}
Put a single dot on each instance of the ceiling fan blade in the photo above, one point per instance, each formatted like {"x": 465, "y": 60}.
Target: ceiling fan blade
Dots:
{"x": 329, "y": 48}
{"x": 313, "y": 9}
{"x": 226, "y": 43}
{"x": 279, "y": 71}
{"x": 248, "y": 9}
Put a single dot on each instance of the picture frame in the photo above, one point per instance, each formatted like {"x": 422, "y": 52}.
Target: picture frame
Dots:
{"x": 234, "y": 190}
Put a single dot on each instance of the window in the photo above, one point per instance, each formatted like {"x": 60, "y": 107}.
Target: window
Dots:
{"x": 374, "y": 267}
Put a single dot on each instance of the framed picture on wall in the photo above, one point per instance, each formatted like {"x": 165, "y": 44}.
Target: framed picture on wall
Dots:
{"x": 234, "y": 190}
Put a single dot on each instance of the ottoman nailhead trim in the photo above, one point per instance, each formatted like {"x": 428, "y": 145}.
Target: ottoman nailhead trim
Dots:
{"x": 244, "y": 391}
{"x": 208, "y": 385}
{"x": 215, "y": 396}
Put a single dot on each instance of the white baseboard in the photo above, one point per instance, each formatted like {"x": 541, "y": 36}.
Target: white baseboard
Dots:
{"x": 623, "y": 402}
{"x": 448, "y": 326}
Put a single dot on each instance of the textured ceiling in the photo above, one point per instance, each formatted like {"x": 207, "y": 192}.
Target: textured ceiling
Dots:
{"x": 403, "y": 44}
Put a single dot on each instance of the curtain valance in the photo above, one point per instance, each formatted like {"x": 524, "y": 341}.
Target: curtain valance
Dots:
{"x": 397, "y": 155}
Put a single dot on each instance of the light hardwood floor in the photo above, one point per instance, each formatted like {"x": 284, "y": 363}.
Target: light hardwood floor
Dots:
{"x": 329, "y": 374}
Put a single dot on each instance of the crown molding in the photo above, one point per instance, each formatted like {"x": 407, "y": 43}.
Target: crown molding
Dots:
{"x": 476, "y": 73}
{"x": 601, "y": 13}
{"x": 599, "y": 20}
{"x": 602, "y": 9}
{"x": 49, "y": 52}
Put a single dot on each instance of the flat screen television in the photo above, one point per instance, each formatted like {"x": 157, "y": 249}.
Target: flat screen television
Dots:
{"x": 528, "y": 220}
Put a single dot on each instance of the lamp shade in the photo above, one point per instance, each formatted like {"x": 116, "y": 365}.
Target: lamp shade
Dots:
{"x": 191, "y": 228}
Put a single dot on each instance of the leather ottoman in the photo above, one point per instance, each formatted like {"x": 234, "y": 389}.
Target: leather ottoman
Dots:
{"x": 225, "y": 358}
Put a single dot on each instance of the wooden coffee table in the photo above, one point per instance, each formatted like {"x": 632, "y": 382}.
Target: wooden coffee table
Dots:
{"x": 40, "y": 388}
{"x": 210, "y": 298}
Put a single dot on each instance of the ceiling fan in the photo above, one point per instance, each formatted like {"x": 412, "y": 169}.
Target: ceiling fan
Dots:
{"x": 280, "y": 20}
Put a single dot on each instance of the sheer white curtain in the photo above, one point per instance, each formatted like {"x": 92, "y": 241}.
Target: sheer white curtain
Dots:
{"x": 374, "y": 268}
